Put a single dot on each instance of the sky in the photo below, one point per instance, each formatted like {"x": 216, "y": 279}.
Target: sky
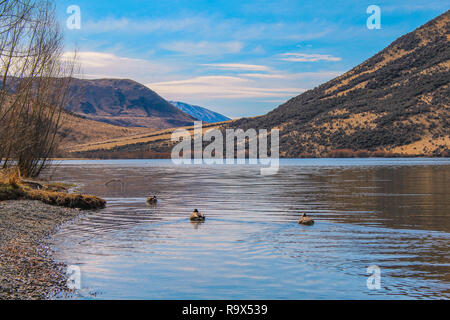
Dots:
{"x": 239, "y": 58}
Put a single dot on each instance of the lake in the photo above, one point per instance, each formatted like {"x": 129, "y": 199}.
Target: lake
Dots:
{"x": 388, "y": 213}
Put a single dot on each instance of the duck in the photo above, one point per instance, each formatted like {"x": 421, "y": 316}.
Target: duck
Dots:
{"x": 307, "y": 221}
{"x": 152, "y": 200}
{"x": 197, "y": 216}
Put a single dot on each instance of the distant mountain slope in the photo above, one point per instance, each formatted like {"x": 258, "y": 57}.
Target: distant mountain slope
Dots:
{"x": 125, "y": 103}
{"x": 199, "y": 112}
{"x": 147, "y": 145}
{"x": 397, "y": 101}
{"x": 75, "y": 130}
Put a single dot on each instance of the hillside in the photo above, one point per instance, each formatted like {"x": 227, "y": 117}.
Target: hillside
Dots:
{"x": 397, "y": 101}
{"x": 147, "y": 144}
{"x": 124, "y": 103}
{"x": 199, "y": 112}
{"x": 76, "y": 130}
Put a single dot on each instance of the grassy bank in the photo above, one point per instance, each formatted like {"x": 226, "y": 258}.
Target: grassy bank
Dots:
{"x": 29, "y": 212}
{"x": 12, "y": 187}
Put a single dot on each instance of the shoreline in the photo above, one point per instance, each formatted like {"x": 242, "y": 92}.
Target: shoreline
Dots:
{"x": 27, "y": 270}
{"x": 397, "y": 156}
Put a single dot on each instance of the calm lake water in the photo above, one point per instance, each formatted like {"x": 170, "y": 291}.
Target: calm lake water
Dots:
{"x": 392, "y": 213}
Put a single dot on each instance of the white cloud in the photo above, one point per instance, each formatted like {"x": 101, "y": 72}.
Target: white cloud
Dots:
{"x": 237, "y": 66}
{"x": 210, "y": 27}
{"x": 203, "y": 47}
{"x": 203, "y": 79}
{"x": 107, "y": 65}
{"x": 293, "y": 76}
{"x": 264, "y": 75}
{"x": 258, "y": 50}
{"x": 250, "y": 85}
{"x": 220, "y": 87}
{"x": 304, "y": 57}
{"x": 91, "y": 59}
{"x": 144, "y": 26}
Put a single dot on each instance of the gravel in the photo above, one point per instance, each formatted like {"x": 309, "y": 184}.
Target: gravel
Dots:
{"x": 27, "y": 271}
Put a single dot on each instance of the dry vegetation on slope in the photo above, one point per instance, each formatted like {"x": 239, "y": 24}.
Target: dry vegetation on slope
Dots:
{"x": 124, "y": 103}
{"x": 397, "y": 101}
{"x": 76, "y": 130}
{"x": 13, "y": 187}
{"x": 153, "y": 144}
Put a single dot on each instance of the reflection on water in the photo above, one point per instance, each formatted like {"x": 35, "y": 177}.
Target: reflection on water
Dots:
{"x": 390, "y": 213}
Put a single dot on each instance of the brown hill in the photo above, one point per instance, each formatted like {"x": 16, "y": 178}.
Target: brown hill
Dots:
{"x": 124, "y": 103}
{"x": 76, "y": 130}
{"x": 397, "y": 101}
{"x": 145, "y": 144}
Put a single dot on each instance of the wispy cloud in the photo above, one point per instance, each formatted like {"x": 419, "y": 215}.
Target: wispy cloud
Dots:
{"x": 304, "y": 57}
{"x": 293, "y": 76}
{"x": 211, "y": 27}
{"x": 247, "y": 82}
{"x": 203, "y": 47}
{"x": 264, "y": 75}
{"x": 144, "y": 25}
{"x": 202, "y": 51}
{"x": 220, "y": 87}
{"x": 237, "y": 66}
{"x": 91, "y": 59}
{"x": 204, "y": 79}
{"x": 108, "y": 65}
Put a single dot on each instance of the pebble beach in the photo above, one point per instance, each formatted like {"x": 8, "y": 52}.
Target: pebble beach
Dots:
{"x": 27, "y": 271}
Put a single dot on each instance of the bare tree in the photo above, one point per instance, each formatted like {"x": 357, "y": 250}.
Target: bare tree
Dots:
{"x": 35, "y": 81}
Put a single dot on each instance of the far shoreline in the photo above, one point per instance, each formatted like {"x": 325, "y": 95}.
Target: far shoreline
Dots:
{"x": 281, "y": 158}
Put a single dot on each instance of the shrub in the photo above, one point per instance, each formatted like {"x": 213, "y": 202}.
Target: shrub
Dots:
{"x": 362, "y": 154}
{"x": 12, "y": 187}
{"x": 10, "y": 176}
{"x": 66, "y": 199}
{"x": 10, "y": 192}
{"x": 383, "y": 154}
{"x": 341, "y": 153}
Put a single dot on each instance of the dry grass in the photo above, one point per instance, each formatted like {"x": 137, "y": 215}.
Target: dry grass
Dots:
{"x": 10, "y": 176}
{"x": 162, "y": 135}
{"x": 9, "y": 185}
{"x": 388, "y": 56}
{"x": 75, "y": 130}
{"x": 10, "y": 192}
{"x": 68, "y": 200}
{"x": 13, "y": 188}
{"x": 424, "y": 146}
{"x": 349, "y": 124}
{"x": 348, "y": 153}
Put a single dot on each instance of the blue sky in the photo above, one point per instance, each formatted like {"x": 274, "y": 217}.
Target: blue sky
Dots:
{"x": 239, "y": 58}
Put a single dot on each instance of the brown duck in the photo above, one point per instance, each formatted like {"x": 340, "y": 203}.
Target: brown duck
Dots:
{"x": 152, "y": 200}
{"x": 197, "y": 216}
{"x": 307, "y": 221}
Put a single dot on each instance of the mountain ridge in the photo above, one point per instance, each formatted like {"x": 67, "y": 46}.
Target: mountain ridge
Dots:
{"x": 200, "y": 113}
{"x": 396, "y": 101}
{"x": 123, "y": 102}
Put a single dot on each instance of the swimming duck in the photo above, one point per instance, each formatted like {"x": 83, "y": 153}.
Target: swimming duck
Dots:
{"x": 307, "y": 221}
{"x": 197, "y": 216}
{"x": 152, "y": 200}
